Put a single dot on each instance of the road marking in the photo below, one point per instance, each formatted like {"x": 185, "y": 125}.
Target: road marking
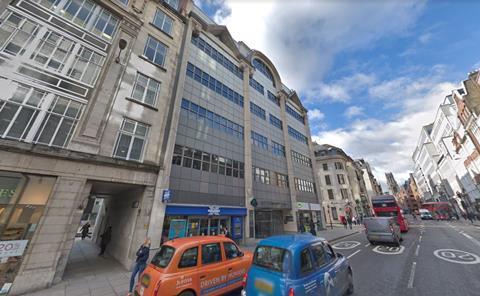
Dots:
{"x": 349, "y": 256}
{"x": 367, "y": 245}
{"x": 345, "y": 245}
{"x": 466, "y": 235}
{"x": 386, "y": 250}
{"x": 470, "y": 238}
{"x": 457, "y": 256}
{"x": 416, "y": 251}
{"x": 412, "y": 275}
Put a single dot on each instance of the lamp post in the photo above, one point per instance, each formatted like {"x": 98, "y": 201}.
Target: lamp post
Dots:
{"x": 330, "y": 215}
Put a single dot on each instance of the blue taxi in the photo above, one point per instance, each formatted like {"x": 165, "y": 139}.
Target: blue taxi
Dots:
{"x": 297, "y": 265}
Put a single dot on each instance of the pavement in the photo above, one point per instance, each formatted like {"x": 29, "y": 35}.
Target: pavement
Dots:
{"x": 89, "y": 275}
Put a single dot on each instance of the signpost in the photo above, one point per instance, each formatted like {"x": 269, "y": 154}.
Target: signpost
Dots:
{"x": 167, "y": 195}
{"x": 253, "y": 203}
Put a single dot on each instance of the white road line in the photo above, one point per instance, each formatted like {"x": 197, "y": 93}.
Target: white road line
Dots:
{"x": 470, "y": 238}
{"x": 466, "y": 235}
{"x": 416, "y": 251}
{"x": 367, "y": 245}
{"x": 353, "y": 254}
{"x": 412, "y": 275}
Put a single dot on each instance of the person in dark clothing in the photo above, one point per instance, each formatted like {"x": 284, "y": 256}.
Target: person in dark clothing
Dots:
{"x": 349, "y": 220}
{"x": 227, "y": 233}
{"x": 344, "y": 221}
{"x": 141, "y": 263}
{"x": 106, "y": 237}
{"x": 85, "y": 229}
{"x": 302, "y": 228}
{"x": 312, "y": 228}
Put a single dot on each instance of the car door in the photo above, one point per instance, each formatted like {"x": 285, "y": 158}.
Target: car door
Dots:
{"x": 212, "y": 271}
{"x": 331, "y": 274}
{"x": 234, "y": 264}
{"x": 306, "y": 282}
{"x": 188, "y": 268}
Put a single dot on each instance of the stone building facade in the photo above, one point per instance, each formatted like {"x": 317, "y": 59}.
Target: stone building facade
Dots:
{"x": 87, "y": 89}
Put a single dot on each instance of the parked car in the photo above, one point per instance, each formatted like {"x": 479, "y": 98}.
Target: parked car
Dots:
{"x": 199, "y": 265}
{"x": 425, "y": 214}
{"x": 382, "y": 229}
{"x": 297, "y": 264}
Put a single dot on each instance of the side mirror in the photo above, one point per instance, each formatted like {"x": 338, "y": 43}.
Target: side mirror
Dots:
{"x": 339, "y": 255}
{"x": 241, "y": 254}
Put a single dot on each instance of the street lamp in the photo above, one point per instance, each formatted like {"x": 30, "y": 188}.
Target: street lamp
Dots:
{"x": 330, "y": 215}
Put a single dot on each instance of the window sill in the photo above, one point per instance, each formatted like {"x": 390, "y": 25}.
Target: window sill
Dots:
{"x": 156, "y": 65}
{"x": 141, "y": 103}
{"x": 164, "y": 33}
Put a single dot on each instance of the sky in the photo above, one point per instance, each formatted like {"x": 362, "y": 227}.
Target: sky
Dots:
{"x": 371, "y": 73}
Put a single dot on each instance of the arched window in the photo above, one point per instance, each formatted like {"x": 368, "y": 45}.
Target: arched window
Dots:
{"x": 260, "y": 66}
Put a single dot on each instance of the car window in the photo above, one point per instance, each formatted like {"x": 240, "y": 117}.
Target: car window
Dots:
{"x": 318, "y": 255}
{"x": 163, "y": 256}
{"x": 211, "y": 253}
{"x": 231, "y": 251}
{"x": 306, "y": 264}
{"x": 330, "y": 253}
{"x": 189, "y": 258}
{"x": 272, "y": 258}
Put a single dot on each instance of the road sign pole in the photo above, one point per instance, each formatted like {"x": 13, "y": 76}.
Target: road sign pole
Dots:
{"x": 253, "y": 218}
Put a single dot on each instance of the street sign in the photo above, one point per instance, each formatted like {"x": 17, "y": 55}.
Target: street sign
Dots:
{"x": 213, "y": 210}
{"x": 167, "y": 195}
{"x": 12, "y": 248}
{"x": 457, "y": 256}
{"x": 253, "y": 202}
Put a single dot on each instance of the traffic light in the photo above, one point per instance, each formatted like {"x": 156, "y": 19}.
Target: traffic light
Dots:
{"x": 253, "y": 202}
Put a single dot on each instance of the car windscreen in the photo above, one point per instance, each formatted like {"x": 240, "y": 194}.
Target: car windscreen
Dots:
{"x": 387, "y": 214}
{"x": 163, "y": 256}
{"x": 272, "y": 258}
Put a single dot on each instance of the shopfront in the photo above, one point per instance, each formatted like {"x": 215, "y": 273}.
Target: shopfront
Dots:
{"x": 309, "y": 212}
{"x": 22, "y": 202}
{"x": 186, "y": 221}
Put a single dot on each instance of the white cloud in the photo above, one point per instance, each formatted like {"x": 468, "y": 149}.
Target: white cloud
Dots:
{"x": 317, "y": 29}
{"x": 388, "y": 146}
{"x": 340, "y": 90}
{"x": 315, "y": 115}
{"x": 425, "y": 38}
{"x": 353, "y": 111}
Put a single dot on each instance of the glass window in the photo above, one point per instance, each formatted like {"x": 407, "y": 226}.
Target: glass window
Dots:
{"x": 106, "y": 24}
{"x": 163, "y": 256}
{"x": 257, "y": 110}
{"x": 325, "y": 166}
{"x": 329, "y": 251}
{"x": 15, "y": 32}
{"x": 49, "y": 4}
{"x": 231, "y": 251}
{"x": 125, "y": 2}
{"x": 173, "y": 3}
{"x": 189, "y": 258}
{"x": 306, "y": 264}
{"x": 272, "y": 258}
{"x": 260, "y": 66}
{"x": 211, "y": 253}
{"x": 53, "y": 51}
{"x": 131, "y": 140}
{"x": 163, "y": 22}
{"x": 78, "y": 11}
{"x": 145, "y": 89}
{"x": 86, "y": 66}
{"x": 59, "y": 124}
{"x": 155, "y": 51}
{"x": 276, "y": 122}
{"x": 318, "y": 255}
{"x": 330, "y": 194}
{"x": 327, "y": 180}
{"x": 341, "y": 179}
{"x": 278, "y": 149}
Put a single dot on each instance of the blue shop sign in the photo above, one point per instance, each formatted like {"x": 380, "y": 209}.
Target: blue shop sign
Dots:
{"x": 237, "y": 227}
{"x": 167, "y": 195}
{"x": 205, "y": 211}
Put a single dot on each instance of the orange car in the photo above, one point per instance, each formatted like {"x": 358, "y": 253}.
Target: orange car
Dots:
{"x": 200, "y": 265}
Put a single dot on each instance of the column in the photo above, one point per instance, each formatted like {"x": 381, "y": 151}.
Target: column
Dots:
{"x": 247, "y": 122}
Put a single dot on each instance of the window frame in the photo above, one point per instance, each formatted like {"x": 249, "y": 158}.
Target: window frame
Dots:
{"x": 312, "y": 269}
{"x": 149, "y": 80}
{"x": 156, "y": 51}
{"x": 225, "y": 251}
{"x": 133, "y": 137}
{"x": 328, "y": 180}
{"x": 183, "y": 254}
{"x": 213, "y": 262}
{"x": 161, "y": 26}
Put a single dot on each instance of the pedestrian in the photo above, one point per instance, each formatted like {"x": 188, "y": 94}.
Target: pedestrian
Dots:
{"x": 349, "y": 220}
{"x": 226, "y": 232}
{"x": 312, "y": 228}
{"x": 354, "y": 220}
{"x": 85, "y": 229}
{"x": 106, "y": 237}
{"x": 470, "y": 217}
{"x": 141, "y": 262}
{"x": 344, "y": 221}
{"x": 302, "y": 228}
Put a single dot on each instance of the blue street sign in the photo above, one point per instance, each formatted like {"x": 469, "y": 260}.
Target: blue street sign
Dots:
{"x": 167, "y": 195}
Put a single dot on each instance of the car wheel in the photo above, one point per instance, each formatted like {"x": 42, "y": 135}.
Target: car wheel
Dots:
{"x": 350, "y": 284}
{"x": 187, "y": 293}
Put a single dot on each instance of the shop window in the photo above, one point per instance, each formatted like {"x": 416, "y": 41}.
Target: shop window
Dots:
{"x": 189, "y": 258}
{"x": 211, "y": 253}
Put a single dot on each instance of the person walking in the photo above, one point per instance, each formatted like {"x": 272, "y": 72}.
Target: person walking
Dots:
{"x": 140, "y": 263}
{"x": 344, "y": 221}
{"x": 354, "y": 220}
{"x": 312, "y": 228}
{"x": 226, "y": 232}
{"x": 106, "y": 237}
{"x": 349, "y": 220}
{"x": 302, "y": 228}
{"x": 85, "y": 229}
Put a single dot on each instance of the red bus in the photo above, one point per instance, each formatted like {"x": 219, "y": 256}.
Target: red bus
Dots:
{"x": 439, "y": 210}
{"x": 387, "y": 206}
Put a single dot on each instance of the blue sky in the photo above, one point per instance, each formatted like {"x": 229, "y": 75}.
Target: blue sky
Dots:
{"x": 370, "y": 72}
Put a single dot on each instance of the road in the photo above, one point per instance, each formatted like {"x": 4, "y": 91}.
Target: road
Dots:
{"x": 415, "y": 269}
